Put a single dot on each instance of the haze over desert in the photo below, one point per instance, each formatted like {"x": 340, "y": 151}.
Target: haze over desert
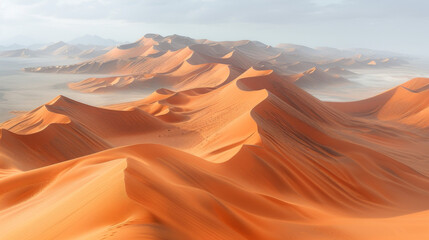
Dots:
{"x": 207, "y": 134}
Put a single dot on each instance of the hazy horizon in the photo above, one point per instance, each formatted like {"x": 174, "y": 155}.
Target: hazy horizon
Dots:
{"x": 383, "y": 25}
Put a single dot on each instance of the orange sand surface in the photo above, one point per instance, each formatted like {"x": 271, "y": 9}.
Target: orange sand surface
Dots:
{"x": 181, "y": 63}
{"x": 242, "y": 153}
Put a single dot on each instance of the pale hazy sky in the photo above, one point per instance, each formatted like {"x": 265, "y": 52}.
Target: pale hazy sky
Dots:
{"x": 396, "y": 25}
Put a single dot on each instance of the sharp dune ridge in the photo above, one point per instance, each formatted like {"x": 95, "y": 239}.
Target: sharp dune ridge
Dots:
{"x": 153, "y": 54}
{"x": 256, "y": 157}
{"x": 228, "y": 146}
{"x": 406, "y": 103}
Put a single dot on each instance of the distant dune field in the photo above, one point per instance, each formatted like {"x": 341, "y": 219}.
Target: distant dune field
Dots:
{"x": 229, "y": 145}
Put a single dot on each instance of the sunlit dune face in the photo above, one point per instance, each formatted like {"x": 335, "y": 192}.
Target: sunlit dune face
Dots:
{"x": 229, "y": 145}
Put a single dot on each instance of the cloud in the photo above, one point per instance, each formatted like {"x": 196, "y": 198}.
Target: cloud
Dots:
{"x": 211, "y": 11}
{"x": 318, "y": 22}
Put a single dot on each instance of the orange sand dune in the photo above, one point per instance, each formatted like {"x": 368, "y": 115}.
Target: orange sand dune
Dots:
{"x": 198, "y": 70}
{"x": 186, "y": 76}
{"x": 140, "y": 64}
{"x": 181, "y": 63}
{"x": 199, "y": 65}
{"x": 147, "y": 195}
{"x": 144, "y": 55}
{"x": 252, "y": 156}
{"x": 154, "y": 53}
{"x": 407, "y": 103}
{"x": 316, "y": 78}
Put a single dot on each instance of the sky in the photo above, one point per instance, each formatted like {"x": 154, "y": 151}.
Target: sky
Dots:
{"x": 394, "y": 25}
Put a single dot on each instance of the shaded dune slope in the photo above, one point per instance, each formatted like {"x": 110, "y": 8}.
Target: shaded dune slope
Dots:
{"x": 148, "y": 63}
{"x": 407, "y": 103}
{"x": 253, "y": 157}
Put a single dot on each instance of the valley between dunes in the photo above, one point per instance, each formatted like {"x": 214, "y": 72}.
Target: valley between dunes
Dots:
{"x": 227, "y": 148}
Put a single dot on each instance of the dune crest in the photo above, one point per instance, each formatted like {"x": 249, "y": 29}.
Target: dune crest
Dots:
{"x": 406, "y": 104}
{"x": 148, "y": 62}
{"x": 316, "y": 78}
{"x": 251, "y": 157}
{"x": 227, "y": 146}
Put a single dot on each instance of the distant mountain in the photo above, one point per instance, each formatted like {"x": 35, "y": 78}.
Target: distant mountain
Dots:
{"x": 35, "y": 46}
{"x": 60, "y": 49}
{"x": 23, "y": 52}
{"x": 11, "y": 47}
{"x": 94, "y": 40}
{"x": 53, "y": 47}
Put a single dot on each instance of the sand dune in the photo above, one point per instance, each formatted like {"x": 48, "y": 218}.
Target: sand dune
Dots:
{"x": 407, "y": 103}
{"x": 155, "y": 62}
{"x": 186, "y": 76}
{"x": 316, "y": 78}
{"x": 233, "y": 154}
{"x": 228, "y": 146}
{"x": 141, "y": 56}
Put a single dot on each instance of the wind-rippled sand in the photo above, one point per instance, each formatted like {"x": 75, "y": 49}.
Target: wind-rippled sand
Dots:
{"x": 227, "y": 152}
